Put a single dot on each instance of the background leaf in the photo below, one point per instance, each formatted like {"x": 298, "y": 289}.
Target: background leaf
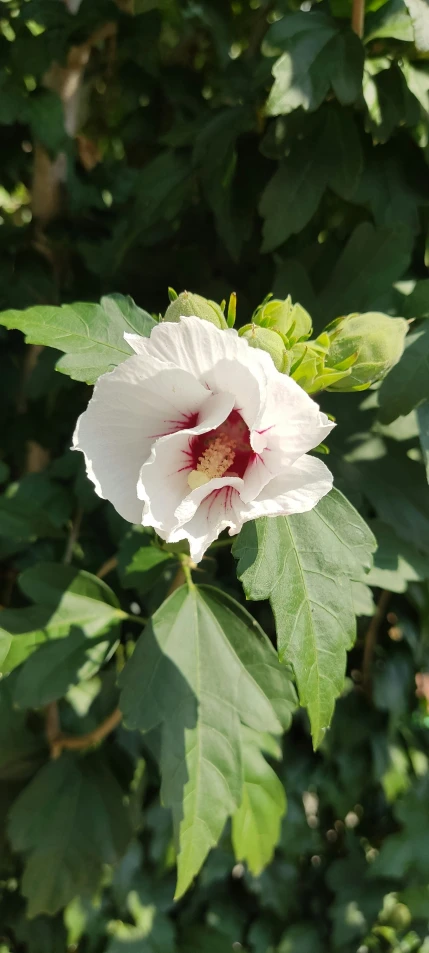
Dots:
{"x": 91, "y": 335}
{"x": 304, "y": 565}
{"x": 200, "y": 690}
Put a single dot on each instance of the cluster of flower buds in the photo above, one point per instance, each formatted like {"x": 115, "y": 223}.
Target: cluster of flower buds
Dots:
{"x": 352, "y": 352}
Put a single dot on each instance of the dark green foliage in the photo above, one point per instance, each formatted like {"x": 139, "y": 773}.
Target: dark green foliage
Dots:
{"x": 214, "y": 146}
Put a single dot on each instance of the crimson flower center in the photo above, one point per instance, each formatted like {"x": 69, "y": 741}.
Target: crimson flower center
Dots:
{"x": 225, "y": 451}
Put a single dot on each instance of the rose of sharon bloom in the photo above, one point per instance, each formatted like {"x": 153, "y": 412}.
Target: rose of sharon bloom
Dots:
{"x": 197, "y": 432}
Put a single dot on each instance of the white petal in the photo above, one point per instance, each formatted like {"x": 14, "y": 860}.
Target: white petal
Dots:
{"x": 217, "y": 511}
{"x": 291, "y": 422}
{"x": 197, "y": 346}
{"x": 190, "y": 504}
{"x": 297, "y": 490}
{"x": 129, "y": 408}
{"x": 163, "y": 479}
{"x": 249, "y": 389}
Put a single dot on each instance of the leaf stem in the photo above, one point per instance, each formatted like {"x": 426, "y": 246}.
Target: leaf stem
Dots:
{"x": 73, "y": 536}
{"x": 80, "y": 742}
{"x": 107, "y": 567}
{"x": 371, "y": 639}
{"x": 136, "y": 618}
{"x": 358, "y": 17}
{"x": 186, "y": 568}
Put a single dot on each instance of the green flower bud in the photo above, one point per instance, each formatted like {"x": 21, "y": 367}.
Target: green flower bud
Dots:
{"x": 187, "y": 304}
{"x": 365, "y": 345}
{"x": 290, "y": 319}
{"x": 268, "y": 341}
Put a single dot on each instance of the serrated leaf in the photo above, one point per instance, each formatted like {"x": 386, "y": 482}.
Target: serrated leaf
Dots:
{"x": 67, "y": 601}
{"x": 201, "y": 688}
{"x": 407, "y": 384}
{"x": 367, "y": 267}
{"x": 304, "y": 564}
{"x": 317, "y": 56}
{"x": 91, "y": 335}
{"x": 256, "y": 823}
{"x": 69, "y": 821}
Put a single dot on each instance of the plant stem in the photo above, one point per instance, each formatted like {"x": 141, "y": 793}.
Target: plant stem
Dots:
{"x": 107, "y": 567}
{"x": 73, "y": 536}
{"x": 80, "y": 742}
{"x": 371, "y": 639}
{"x": 358, "y": 17}
{"x": 136, "y": 618}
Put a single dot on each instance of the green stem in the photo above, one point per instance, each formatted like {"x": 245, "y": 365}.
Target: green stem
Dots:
{"x": 136, "y": 618}
{"x": 186, "y": 566}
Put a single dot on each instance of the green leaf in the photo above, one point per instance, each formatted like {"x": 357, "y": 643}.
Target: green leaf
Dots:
{"x": 301, "y": 938}
{"x": 390, "y": 103}
{"x": 396, "y": 562}
{"x": 22, "y": 749}
{"x": 330, "y": 156}
{"x": 391, "y": 20}
{"x": 367, "y": 267}
{"x": 68, "y": 601}
{"x": 385, "y": 188}
{"x": 344, "y": 161}
{"x": 406, "y": 853}
{"x": 318, "y": 56}
{"x": 69, "y": 821}
{"x": 292, "y": 195}
{"x": 416, "y": 304}
{"x": 256, "y": 824}
{"x": 304, "y": 564}
{"x": 407, "y": 384}
{"x": 91, "y": 335}
{"x": 140, "y": 561}
{"x": 423, "y": 421}
{"x": 49, "y": 673}
{"x": 397, "y": 489}
{"x": 419, "y": 13}
{"x": 215, "y": 155}
{"x": 346, "y": 69}
{"x": 45, "y": 114}
{"x": 152, "y": 932}
{"x": 34, "y": 506}
{"x": 200, "y": 689}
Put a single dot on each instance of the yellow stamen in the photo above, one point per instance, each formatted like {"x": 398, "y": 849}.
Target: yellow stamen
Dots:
{"x": 217, "y": 458}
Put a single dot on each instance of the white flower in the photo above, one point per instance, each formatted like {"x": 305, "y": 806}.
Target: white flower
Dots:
{"x": 197, "y": 432}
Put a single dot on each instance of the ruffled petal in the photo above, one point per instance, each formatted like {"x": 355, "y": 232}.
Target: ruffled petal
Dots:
{"x": 249, "y": 389}
{"x": 197, "y": 346}
{"x": 130, "y": 407}
{"x": 291, "y": 422}
{"x": 163, "y": 478}
{"x": 297, "y": 490}
{"x": 218, "y": 509}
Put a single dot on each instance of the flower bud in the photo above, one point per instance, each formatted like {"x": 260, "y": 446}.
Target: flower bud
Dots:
{"x": 368, "y": 345}
{"x": 188, "y": 303}
{"x": 290, "y": 319}
{"x": 268, "y": 341}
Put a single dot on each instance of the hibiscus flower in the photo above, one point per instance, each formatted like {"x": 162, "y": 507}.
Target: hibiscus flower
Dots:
{"x": 198, "y": 432}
